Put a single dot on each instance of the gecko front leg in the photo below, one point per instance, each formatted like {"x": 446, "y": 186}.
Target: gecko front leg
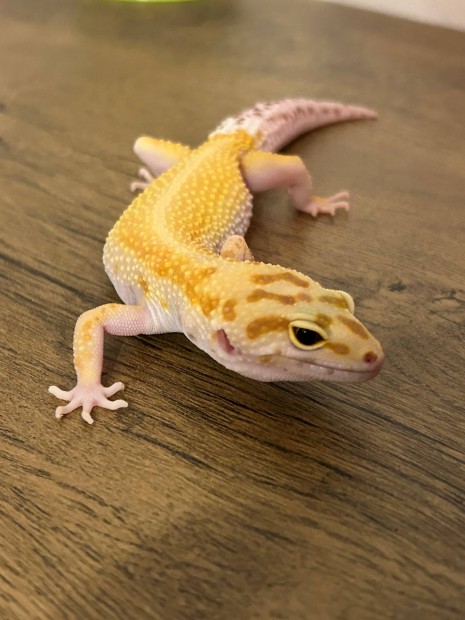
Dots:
{"x": 88, "y": 393}
{"x": 263, "y": 171}
{"x": 159, "y": 156}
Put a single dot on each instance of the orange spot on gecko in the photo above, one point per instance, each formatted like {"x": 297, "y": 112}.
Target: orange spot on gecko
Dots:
{"x": 338, "y": 347}
{"x": 260, "y": 294}
{"x": 323, "y": 320}
{"x": 335, "y": 300}
{"x": 208, "y": 304}
{"x": 229, "y": 310}
{"x": 354, "y": 326}
{"x": 266, "y": 324}
{"x": 207, "y": 272}
{"x": 144, "y": 285}
{"x": 269, "y": 278}
{"x": 303, "y": 297}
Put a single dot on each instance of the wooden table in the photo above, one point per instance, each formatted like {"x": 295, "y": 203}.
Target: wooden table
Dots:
{"x": 213, "y": 496}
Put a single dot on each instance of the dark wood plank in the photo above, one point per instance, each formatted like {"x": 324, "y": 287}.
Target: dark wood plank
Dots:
{"x": 214, "y": 496}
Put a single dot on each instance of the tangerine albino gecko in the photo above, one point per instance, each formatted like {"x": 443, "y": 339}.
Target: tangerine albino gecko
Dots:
{"x": 178, "y": 260}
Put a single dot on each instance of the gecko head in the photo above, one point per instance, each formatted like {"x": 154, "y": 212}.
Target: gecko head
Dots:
{"x": 281, "y": 325}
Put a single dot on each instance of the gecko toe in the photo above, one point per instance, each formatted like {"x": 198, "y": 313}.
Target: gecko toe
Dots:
{"x": 86, "y": 415}
{"x": 64, "y": 395}
{"x": 64, "y": 409}
{"x": 116, "y": 387}
{"x": 114, "y": 404}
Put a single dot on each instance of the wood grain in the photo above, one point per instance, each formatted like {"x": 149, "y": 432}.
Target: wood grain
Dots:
{"x": 212, "y": 496}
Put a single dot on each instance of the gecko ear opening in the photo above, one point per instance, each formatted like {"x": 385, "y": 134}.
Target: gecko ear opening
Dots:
{"x": 224, "y": 342}
{"x": 349, "y": 301}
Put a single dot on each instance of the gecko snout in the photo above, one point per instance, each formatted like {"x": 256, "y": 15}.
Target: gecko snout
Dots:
{"x": 374, "y": 360}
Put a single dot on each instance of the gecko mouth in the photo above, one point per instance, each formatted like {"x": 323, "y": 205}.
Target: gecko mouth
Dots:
{"x": 334, "y": 372}
{"x": 281, "y": 368}
{"x": 374, "y": 368}
{"x": 288, "y": 368}
{"x": 304, "y": 371}
{"x": 308, "y": 371}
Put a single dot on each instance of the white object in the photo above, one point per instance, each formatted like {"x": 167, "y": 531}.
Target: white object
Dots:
{"x": 449, "y": 13}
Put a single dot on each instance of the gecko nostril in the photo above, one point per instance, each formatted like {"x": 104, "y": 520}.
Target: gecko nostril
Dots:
{"x": 370, "y": 357}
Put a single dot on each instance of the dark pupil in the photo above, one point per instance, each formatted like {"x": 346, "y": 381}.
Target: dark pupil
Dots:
{"x": 307, "y": 337}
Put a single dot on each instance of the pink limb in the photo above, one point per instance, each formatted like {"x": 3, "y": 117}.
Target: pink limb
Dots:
{"x": 264, "y": 171}
{"x": 88, "y": 393}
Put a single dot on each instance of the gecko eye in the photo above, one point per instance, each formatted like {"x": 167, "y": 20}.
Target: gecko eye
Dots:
{"x": 307, "y": 336}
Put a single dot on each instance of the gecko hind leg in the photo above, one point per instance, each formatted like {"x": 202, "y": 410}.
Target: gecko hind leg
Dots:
{"x": 158, "y": 157}
{"x": 263, "y": 171}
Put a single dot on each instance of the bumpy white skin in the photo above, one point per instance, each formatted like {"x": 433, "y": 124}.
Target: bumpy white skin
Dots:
{"x": 177, "y": 258}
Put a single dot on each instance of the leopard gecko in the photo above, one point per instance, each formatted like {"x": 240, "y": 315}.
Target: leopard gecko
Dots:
{"x": 178, "y": 260}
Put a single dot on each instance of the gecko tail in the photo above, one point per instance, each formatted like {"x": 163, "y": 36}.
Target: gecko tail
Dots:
{"x": 277, "y": 123}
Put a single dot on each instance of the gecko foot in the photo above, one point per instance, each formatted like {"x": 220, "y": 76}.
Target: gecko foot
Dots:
{"x": 328, "y": 205}
{"x": 146, "y": 178}
{"x": 87, "y": 396}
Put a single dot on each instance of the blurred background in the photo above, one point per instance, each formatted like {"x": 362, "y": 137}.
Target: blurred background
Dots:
{"x": 450, "y": 13}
